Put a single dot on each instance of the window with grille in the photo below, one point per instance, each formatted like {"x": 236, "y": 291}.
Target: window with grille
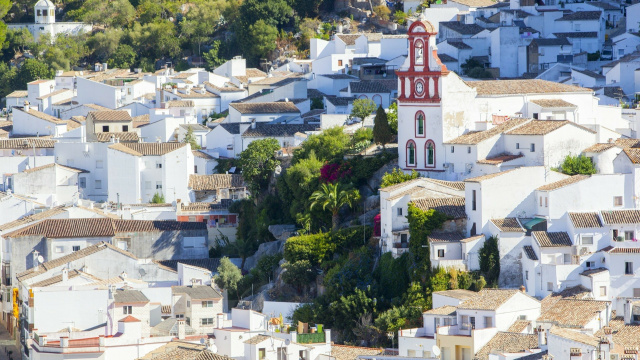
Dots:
{"x": 127, "y": 310}
{"x": 206, "y": 321}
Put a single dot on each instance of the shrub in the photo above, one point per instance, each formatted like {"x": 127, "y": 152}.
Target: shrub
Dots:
{"x": 332, "y": 172}
{"x": 397, "y": 176}
{"x": 315, "y": 248}
{"x": 574, "y": 165}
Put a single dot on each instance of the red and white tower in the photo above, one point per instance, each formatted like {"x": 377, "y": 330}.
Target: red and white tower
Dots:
{"x": 420, "y": 124}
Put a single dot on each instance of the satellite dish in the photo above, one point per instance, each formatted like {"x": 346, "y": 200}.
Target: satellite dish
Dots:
{"x": 40, "y": 259}
{"x": 202, "y": 341}
{"x": 287, "y": 342}
{"x": 124, "y": 275}
{"x": 435, "y": 350}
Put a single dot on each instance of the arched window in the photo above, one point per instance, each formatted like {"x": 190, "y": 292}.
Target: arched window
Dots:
{"x": 362, "y": 97}
{"x": 411, "y": 153}
{"x": 430, "y": 154}
{"x": 419, "y": 124}
{"x": 419, "y": 52}
{"x": 377, "y": 99}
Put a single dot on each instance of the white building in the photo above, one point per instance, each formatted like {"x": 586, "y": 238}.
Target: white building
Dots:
{"x": 45, "y": 22}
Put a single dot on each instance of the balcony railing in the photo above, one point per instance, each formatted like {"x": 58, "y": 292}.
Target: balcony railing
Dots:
{"x": 401, "y": 245}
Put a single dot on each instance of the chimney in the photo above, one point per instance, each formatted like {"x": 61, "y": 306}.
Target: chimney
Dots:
{"x": 607, "y": 314}
{"x": 36, "y": 261}
{"x": 65, "y": 275}
{"x": 64, "y": 342}
{"x": 104, "y": 66}
{"x": 181, "y": 329}
{"x": 627, "y": 312}
{"x": 608, "y": 333}
{"x": 175, "y": 90}
{"x": 327, "y": 336}
{"x": 220, "y": 321}
{"x": 26, "y": 106}
{"x": 253, "y": 123}
{"x": 523, "y": 289}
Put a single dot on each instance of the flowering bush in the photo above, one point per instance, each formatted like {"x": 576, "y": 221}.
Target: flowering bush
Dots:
{"x": 332, "y": 172}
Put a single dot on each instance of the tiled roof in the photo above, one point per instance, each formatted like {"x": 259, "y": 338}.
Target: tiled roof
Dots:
{"x": 97, "y": 107}
{"x": 633, "y": 154}
{"x": 552, "y": 239}
{"x": 445, "y": 236}
{"x": 575, "y": 336}
{"x": 585, "y": 220}
{"x": 197, "y": 292}
{"x": 194, "y": 127}
{"x": 210, "y": 264}
{"x": 628, "y": 143}
{"x": 265, "y": 108}
{"x": 508, "y": 342}
{"x": 613, "y": 217}
{"x": 451, "y": 206}
{"x": 54, "y": 93}
{"x": 462, "y": 28}
{"x": 43, "y": 116}
{"x": 184, "y": 75}
{"x": 170, "y": 327}
{"x": 130, "y": 296}
{"x": 18, "y": 94}
{"x": 543, "y": 127}
{"x": 38, "y": 168}
{"x": 496, "y": 160}
{"x": 340, "y": 100}
{"x": 226, "y": 88}
{"x": 180, "y": 103}
{"x": 26, "y": 143}
{"x": 458, "y": 44}
{"x": 488, "y": 176}
{"x": 519, "y": 326}
{"x": 589, "y": 72}
{"x": 475, "y": 137}
{"x": 457, "y": 185}
{"x": 129, "y": 319}
{"x": 443, "y": 310}
{"x": 592, "y": 272}
{"x": 623, "y": 335}
{"x": 206, "y": 206}
{"x": 460, "y": 294}
{"x": 257, "y": 339}
{"x": 181, "y": 350}
{"x": 262, "y": 129}
{"x": 76, "y": 255}
{"x": 562, "y": 183}
{"x": 32, "y": 218}
{"x": 201, "y": 154}
{"x": 553, "y": 103}
{"x": 345, "y": 352}
{"x": 109, "y": 115}
{"x": 572, "y": 313}
{"x": 531, "y": 254}
{"x": 533, "y": 86}
{"x": 140, "y": 120}
{"x": 215, "y": 181}
{"x": 488, "y": 299}
{"x": 508, "y": 225}
{"x": 551, "y": 42}
{"x": 54, "y": 279}
{"x": 620, "y": 250}
{"x": 277, "y": 80}
{"x": 585, "y": 34}
{"x": 598, "y": 148}
{"x": 446, "y": 58}
{"x": 348, "y": 39}
{"x": 147, "y": 149}
{"x": 359, "y": 87}
{"x": 127, "y": 226}
{"x": 581, "y": 15}
{"x": 122, "y": 136}
{"x": 165, "y": 309}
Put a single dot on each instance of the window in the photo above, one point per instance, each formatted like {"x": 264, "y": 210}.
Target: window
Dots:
{"x": 339, "y": 62}
{"x": 188, "y": 303}
{"x": 207, "y": 304}
{"x": 590, "y": 264}
{"x": 99, "y": 164}
{"x": 411, "y": 153}
{"x": 533, "y": 147}
{"x": 526, "y": 275}
{"x": 188, "y": 321}
{"x": 576, "y": 27}
{"x": 549, "y": 286}
{"x": 76, "y": 248}
{"x": 452, "y": 149}
{"x": 535, "y": 116}
{"x": 125, "y": 128}
{"x": 540, "y": 200}
{"x": 488, "y": 322}
{"x": 404, "y": 238}
{"x": 420, "y": 123}
{"x": 522, "y": 317}
{"x": 206, "y": 321}
{"x": 262, "y": 353}
{"x": 195, "y": 169}
{"x": 127, "y": 310}
{"x": 82, "y": 182}
{"x": 603, "y": 291}
{"x": 400, "y": 211}
{"x": 59, "y": 249}
{"x": 98, "y": 184}
{"x": 617, "y": 201}
{"x": 419, "y": 55}
{"x": 158, "y": 185}
{"x": 105, "y": 128}
{"x": 473, "y": 200}
{"x": 546, "y": 202}
{"x": 472, "y": 320}
{"x": 628, "y": 268}
{"x": 38, "y": 12}
{"x": 615, "y": 234}
{"x": 468, "y": 149}
{"x": 636, "y": 292}
{"x": 517, "y": 145}
{"x": 282, "y": 353}
{"x": 628, "y": 235}
{"x": 158, "y": 165}
{"x": 440, "y": 253}
{"x": 473, "y": 230}
{"x": 431, "y": 154}
{"x": 128, "y": 91}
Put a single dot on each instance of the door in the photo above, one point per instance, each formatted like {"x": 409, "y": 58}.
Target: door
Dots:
{"x": 466, "y": 354}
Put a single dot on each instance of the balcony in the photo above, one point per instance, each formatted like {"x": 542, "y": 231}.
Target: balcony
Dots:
{"x": 400, "y": 245}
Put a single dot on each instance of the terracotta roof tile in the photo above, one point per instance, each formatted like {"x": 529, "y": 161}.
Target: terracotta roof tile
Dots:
{"x": 54, "y": 279}
{"x": 18, "y": 94}
{"x": 544, "y": 127}
{"x": 623, "y": 335}
{"x": 180, "y": 103}
{"x": 508, "y": 225}
{"x": 585, "y": 220}
{"x": 575, "y": 336}
{"x": 26, "y": 143}
{"x": 345, "y": 352}
{"x": 38, "y": 168}
{"x": 614, "y": 217}
{"x": 206, "y": 207}
{"x": 462, "y": 28}
{"x": 197, "y": 292}
{"x": 508, "y": 342}
{"x": 368, "y": 87}
{"x": 54, "y": 93}
{"x": 129, "y": 296}
{"x": 519, "y": 326}
{"x": 533, "y": 86}
{"x": 32, "y": 218}
{"x": 210, "y": 264}
{"x": 488, "y": 299}
{"x": 215, "y": 181}
{"x": 476, "y": 137}
{"x": 633, "y": 154}
{"x": 451, "y": 206}
{"x": 592, "y": 272}
{"x": 43, "y": 116}
{"x": 496, "y": 160}
{"x": 552, "y": 239}
{"x": 598, "y": 148}
{"x": 257, "y": 339}
{"x": 127, "y": 226}
{"x": 572, "y": 313}
{"x": 348, "y": 39}
{"x": 488, "y": 176}
{"x": 562, "y": 183}
{"x": 181, "y": 350}
{"x": 129, "y": 319}
{"x": 531, "y": 254}
{"x": 109, "y": 115}
{"x": 122, "y": 136}
{"x": 460, "y": 294}
{"x": 140, "y": 120}
{"x": 443, "y": 310}
{"x": 445, "y": 236}
{"x": 203, "y": 155}
{"x": 628, "y": 143}
{"x": 147, "y": 149}
{"x": 620, "y": 250}
{"x": 265, "y": 108}
{"x": 553, "y": 103}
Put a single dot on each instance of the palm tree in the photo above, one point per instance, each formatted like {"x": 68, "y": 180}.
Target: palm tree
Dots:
{"x": 332, "y": 197}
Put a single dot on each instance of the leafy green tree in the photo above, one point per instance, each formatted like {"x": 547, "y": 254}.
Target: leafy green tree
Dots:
{"x": 272, "y": 12}
{"x": 314, "y": 248}
{"x": 17, "y": 41}
{"x": 7, "y": 80}
{"x": 347, "y": 310}
{"x": 123, "y": 58}
{"x": 158, "y": 198}
{"x": 328, "y": 145}
{"x": 490, "y": 260}
{"x": 400, "y": 17}
{"x": 262, "y": 39}
{"x": 30, "y": 70}
{"x": 393, "y": 275}
{"x": 105, "y": 43}
{"x": 300, "y": 180}
{"x": 114, "y": 13}
{"x": 298, "y": 274}
{"x": 149, "y": 10}
{"x": 258, "y": 162}
{"x": 381, "y": 130}
{"x": 212, "y": 57}
{"x": 362, "y": 108}
{"x": 577, "y": 165}
{"x": 392, "y": 118}
{"x": 382, "y": 11}
{"x": 332, "y": 197}
{"x": 190, "y": 139}
{"x": 5, "y": 6}
{"x": 421, "y": 223}
{"x": 307, "y": 8}
{"x": 228, "y": 275}
{"x": 397, "y": 176}
{"x": 200, "y": 22}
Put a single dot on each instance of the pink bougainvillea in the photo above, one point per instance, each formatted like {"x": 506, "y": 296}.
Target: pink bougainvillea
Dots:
{"x": 332, "y": 172}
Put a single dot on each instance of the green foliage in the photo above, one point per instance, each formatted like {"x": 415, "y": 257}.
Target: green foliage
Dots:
{"x": 397, "y": 176}
{"x": 123, "y": 58}
{"x": 347, "y": 310}
{"x": 392, "y": 118}
{"x": 382, "y": 11}
{"x": 189, "y": 138}
{"x": 158, "y": 198}
{"x": 314, "y": 248}
{"x": 490, "y": 260}
{"x": 362, "y": 108}
{"x": 212, "y": 57}
{"x": 328, "y": 145}
{"x": 30, "y": 70}
{"x": 363, "y": 168}
{"x": 397, "y": 318}
{"x": 225, "y": 165}
{"x": 258, "y": 162}
{"x": 304, "y": 313}
{"x": 400, "y": 17}
{"x": 593, "y": 56}
{"x": 266, "y": 266}
{"x": 333, "y": 197}
{"x": 381, "y": 130}
{"x": 298, "y": 274}
{"x": 393, "y": 275}
{"x": 574, "y": 165}
{"x": 473, "y": 68}
{"x": 7, "y": 79}
{"x": 421, "y": 223}
{"x": 317, "y": 103}
{"x": 228, "y": 275}
{"x": 298, "y": 183}
{"x": 115, "y": 13}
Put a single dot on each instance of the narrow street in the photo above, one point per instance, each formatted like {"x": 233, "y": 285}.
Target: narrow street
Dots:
{"x": 6, "y": 345}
